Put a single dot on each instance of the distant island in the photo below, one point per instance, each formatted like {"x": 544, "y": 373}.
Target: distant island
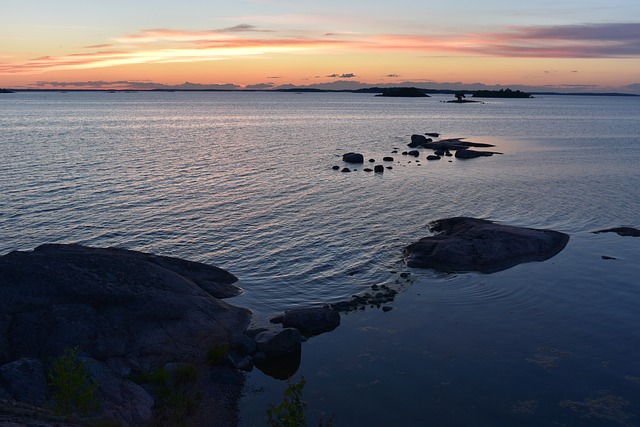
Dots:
{"x": 502, "y": 93}
{"x": 403, "y": 92}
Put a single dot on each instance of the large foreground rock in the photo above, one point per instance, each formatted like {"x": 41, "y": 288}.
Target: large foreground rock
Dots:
{"x": 126, "y": 310}
{"x": 471, "y": 244}
{"x": 112, "y": 303}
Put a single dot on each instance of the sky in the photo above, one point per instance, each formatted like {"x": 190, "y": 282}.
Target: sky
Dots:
{"x": 561, "y": 45}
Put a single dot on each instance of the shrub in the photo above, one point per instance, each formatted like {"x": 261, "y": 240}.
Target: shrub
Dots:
{"x": 291, "y": 412}
{"x": 72, "y": 389}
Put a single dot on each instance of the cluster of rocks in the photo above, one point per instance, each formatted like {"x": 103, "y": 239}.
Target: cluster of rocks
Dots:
{"x": 357, "y": 158}
{"x": 129, "y": 312}
{"x": 441, "y": 148}
{"x": 380, "y": 295}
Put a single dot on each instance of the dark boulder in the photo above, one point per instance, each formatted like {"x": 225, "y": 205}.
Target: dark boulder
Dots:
{"x": 433, "y": 157}
{"x": 414, "y": 153}
{"x": 279, "y": 343}
{"x": 335, "y": 168}
{"x": 621, "y": 231}
{"x": 471, "y": 244}
{"x": 312, "y": 321}
{"x": 433, "y": 134}
{"x": 353, "y": 158}
{"x": 378, "y": 169}
{"x": 418, "y": 141}
{"x": 387, "y": 159}
{"x": 345, "y": 170}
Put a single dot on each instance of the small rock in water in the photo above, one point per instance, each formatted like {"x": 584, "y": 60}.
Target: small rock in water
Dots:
{"x": 335, "y": 168}
{"x": 345, "y": 170}
{"x": 379, "y": 169}
{"x": 353, "y": 158}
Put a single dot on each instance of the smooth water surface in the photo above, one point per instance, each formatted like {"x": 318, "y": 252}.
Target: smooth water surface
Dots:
{"x": 244, "y": 181}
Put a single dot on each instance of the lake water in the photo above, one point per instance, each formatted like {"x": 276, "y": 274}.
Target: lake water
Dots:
{"x": 244, "y": 181}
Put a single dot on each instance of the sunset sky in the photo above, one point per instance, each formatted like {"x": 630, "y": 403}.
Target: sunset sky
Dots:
{"x": 556, "y": 44}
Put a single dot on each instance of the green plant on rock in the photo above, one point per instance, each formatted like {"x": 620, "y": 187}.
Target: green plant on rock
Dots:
{"x": 72, "y": 389}
{"x": 291, "y": 412}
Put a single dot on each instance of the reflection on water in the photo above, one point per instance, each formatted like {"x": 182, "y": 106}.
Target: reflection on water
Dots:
{"x": 539, "y": 344}
{"x": 244, "y": 181}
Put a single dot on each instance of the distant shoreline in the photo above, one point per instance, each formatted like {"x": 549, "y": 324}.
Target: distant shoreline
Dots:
{"x": 372, "y": 90}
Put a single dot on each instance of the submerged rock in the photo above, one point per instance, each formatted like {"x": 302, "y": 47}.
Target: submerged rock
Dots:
{"x": 621, "y": 231}
{"x": 472, "y": 154}
{"x": 471, "y": 244}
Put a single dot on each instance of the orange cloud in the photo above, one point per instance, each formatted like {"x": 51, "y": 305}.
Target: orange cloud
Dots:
{"x": 170, "y": 45}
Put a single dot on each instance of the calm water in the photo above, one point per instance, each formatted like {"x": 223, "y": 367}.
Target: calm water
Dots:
{"x": 244, "y": 181}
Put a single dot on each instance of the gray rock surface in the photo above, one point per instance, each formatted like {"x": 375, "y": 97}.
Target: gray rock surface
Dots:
{"x": 471, "y": 244}
{"x": 25, "y": 380}
{"x": 312, "y": 321}
{"x": 122, "y": 400}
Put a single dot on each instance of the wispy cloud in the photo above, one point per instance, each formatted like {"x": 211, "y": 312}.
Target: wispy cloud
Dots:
{"x": 163, "y": 45}
{"x": 568, "y": 41}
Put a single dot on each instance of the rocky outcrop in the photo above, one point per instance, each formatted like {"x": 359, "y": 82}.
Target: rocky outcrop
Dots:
{"x": 123, "y": 310}
{"x": 471, "y": 244}
{"x": 621, "y": 231}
